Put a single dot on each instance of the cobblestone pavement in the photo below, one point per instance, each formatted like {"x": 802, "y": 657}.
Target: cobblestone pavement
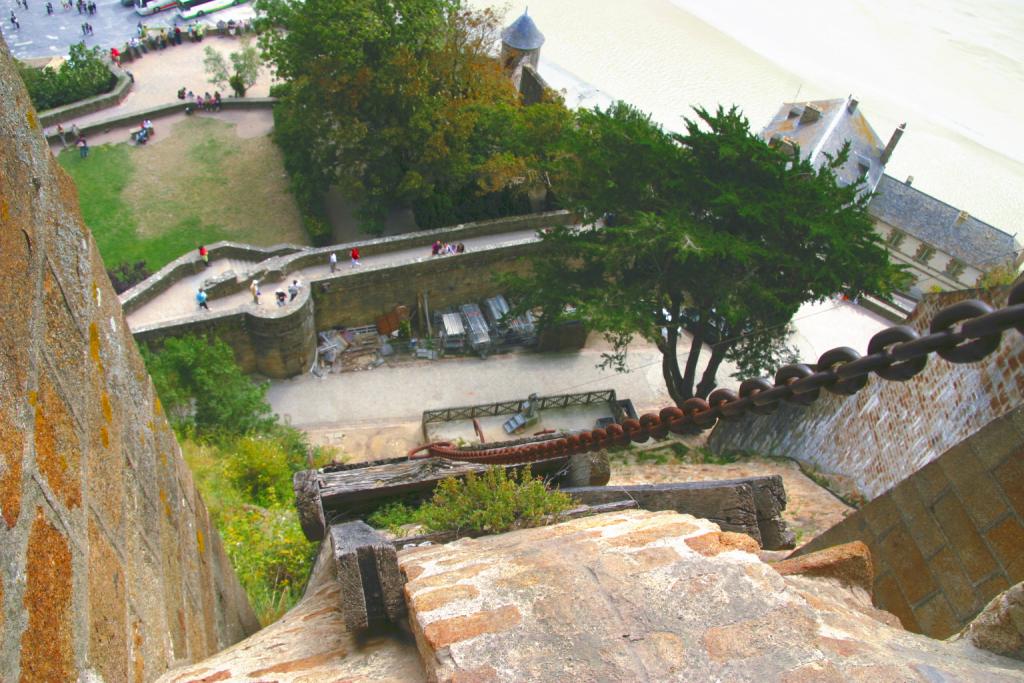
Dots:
{"x": 43, "y": 35}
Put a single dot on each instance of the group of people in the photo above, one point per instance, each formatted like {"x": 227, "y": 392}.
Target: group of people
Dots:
{"x": 353, "y": 255}
{"x": 207, "y": 102}
{"x": 281, "y": 296}
{"x": 439, "y": 248}
{"x": 145, "y": 133}
{"x": 87, "y": 28}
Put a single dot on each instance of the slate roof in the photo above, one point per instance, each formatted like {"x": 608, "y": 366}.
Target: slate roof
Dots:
{"x": 523, "y": 34}
{"x": 933, "y": 221}
{"x": 826, "y": 135}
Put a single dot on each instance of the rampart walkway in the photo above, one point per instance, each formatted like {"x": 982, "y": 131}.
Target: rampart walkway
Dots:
{"x": 178, "y": 301}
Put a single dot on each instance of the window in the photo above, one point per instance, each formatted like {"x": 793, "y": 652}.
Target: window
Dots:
{"x": 895, "y": 238}
{"x": 954, "y": 268}
{"x": 924, "y": 253}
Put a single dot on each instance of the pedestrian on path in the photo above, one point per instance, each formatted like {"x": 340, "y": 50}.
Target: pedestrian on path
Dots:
{"x": 201, "y": 299}
{"x": 254, "y": 289}
{"x": 14, "y": 20}
{"x": 83, "y": 147}
{"x": 355, "y": 257}
{"x": 62, "y": 135}
{"x": 204, "y": 255}
{"x": 333, "y": 260}
{"x": 76, "y": 132}
{"x": 293, "y": 290}
{"x": 49, "y": 8}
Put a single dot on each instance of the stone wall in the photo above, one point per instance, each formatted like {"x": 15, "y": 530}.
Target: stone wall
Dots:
{"x": 89, "y": 105}
{"x": 281, "y": 343}
{"x": 110, "y": 566}
{"x": 949, "y": 538}
{"x": 889, "y": 430}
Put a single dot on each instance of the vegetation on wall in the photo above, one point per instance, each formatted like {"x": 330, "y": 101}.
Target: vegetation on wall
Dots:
{"x": 242, "y": 460}
{"x": 85, "y": 74}
{"x": 402, "y": 103}
{"x": 710, "y": 231}
{"x": 492, "y": 502}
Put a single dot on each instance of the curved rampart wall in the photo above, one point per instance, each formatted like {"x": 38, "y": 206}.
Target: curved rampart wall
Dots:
{"x": 281, "y": 343}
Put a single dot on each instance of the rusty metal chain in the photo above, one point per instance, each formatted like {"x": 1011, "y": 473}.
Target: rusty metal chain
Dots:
{"x": 963, "y": 332}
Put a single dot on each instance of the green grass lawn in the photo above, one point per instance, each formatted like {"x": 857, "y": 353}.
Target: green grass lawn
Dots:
{"x": 198, "y": 182}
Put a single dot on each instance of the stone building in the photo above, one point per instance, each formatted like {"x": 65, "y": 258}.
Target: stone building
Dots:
{"x": 945, "y": 248}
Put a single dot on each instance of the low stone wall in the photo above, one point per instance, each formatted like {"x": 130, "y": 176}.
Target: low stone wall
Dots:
{"x": 950, "y": 537}
{"x": 52, "y": 117}
{"x": 274, "y": 342}
{"x": 190, "y": 264}
{"x": 889, "y": 430}
{"x": 133, "y": 119}
{"x": 358, "y": 298}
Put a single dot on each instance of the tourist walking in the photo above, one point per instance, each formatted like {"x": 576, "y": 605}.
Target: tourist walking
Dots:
{"x": 280, "y": 297}
{"x": 14, "y": 20}
{"x": 204, "y": 255}
{"x": 333, "y": 260}
{"x": 355, "y": 257}
{"x": 201, "y": 299}
{"x": 293, "y": 290}
{"x": 62, "y": 135}
{"x": 83, "y": 147}
{"x": 254, "y": 289}
{"x": 49, "y": 8}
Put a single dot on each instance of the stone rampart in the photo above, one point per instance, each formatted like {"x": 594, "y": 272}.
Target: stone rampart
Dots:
{"x": 122, "y": 87}
{"x": 111, "y": 567}
{"x": 889, "y": 430}
{"x": 281, "y": 343}
{"x": 950, "y": 537}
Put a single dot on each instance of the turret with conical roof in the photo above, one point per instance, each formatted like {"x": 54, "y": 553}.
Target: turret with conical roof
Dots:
{"x": 521, "y": 42}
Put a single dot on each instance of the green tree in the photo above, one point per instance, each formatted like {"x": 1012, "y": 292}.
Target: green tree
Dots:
{"x": 390, "y": 102}
{"x": 84, "y": 74}
{"x": 203, "y": 389}
{"x": 711, "y": 231}
{"x": 244, "y": 70}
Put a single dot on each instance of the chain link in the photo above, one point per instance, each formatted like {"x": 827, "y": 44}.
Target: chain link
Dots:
{"x": 964, "y": 332}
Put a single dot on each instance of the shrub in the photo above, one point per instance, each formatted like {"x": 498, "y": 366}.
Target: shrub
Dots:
{"x": 126, "y": 275}
{"x": 271, "y": 556}
{"x": 492, "y": 502}
{"x": 204, "y": 391}
{"x": 84, "y": 74}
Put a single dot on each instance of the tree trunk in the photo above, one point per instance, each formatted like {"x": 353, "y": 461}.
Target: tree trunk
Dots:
{"x": 670, "y": 352}
{"x": 686, "y": 390}
{"x": 707, "y": 380}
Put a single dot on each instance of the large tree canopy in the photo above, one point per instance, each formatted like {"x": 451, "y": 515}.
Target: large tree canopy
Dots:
{"x": 711, "y": 231}
{"x": 400, "y": 101}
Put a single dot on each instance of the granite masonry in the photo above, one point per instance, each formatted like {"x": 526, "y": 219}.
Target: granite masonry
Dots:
{"x": 110, "y": 568}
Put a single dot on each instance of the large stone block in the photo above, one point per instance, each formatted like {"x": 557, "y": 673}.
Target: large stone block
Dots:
{"x": 640, "y": 595}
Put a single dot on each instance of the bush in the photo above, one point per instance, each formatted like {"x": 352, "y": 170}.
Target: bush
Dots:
{"x": 203, "y": 390}
{"x": 84, "y": 74}
{"x": 271, "y": 556}
{"x": 493, "y": 502}
{"x": 126, "y": 275}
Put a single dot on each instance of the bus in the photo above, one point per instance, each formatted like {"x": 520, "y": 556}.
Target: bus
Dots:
{"x": 190, "y": 11}
{"x": 146, "y": 7}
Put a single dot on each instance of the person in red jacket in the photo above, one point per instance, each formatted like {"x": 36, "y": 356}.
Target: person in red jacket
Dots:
{"x": 355, "y": 257}
{"x": 205, "y": 255}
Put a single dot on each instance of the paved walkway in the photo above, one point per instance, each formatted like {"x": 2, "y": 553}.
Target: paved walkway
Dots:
{"x": 178, "y": 301}
{"x": 159, "y": 75}
{"x": 375, "y": 414}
